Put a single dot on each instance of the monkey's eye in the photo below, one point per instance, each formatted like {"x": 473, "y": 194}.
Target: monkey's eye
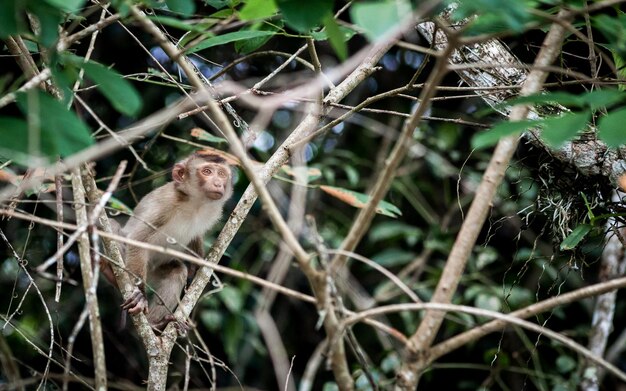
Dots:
{"x": 222, "y": 174}
{"x": 207, "y": 171}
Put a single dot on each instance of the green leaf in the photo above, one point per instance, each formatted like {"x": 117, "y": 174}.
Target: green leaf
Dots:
{"x": 64, "y": 79}
{"x": 620, "y": 64}
{"x": 229, "y": 37}
{"x": 185, "y": 7}
{"x": 218, "y": 4}
{"x": 394, "y": 229}
{"x": 519, "y": 297}
{"x": 49, "y": 20}
{"x": 565, "y": 364}
{"x": 312, "y": 173}
{"x": 488, "y": 302}
{"x": 31, "y": 46}
{"x": 546, "y": 98}
{"x": 486, "y": 256}
{"x": 118, "y": 205}
{"x": 322, "y": 35}
{"x": 611, "y": 128}
{"x": 473, "y": 291}
{"x": 593, "y": 99}
{"x": 258, "y": 9}
{"x": 177, "y": 23}
{"x": 232, "y": 298}
{"x": 60, "y": 132}
{"x": 252, "y": 44}
{"x": 359, "y": 200}
{"x": 4, "y": 83}
{"x": 304, "y": 15}
{"x": 352, "y": 174}
{"x": 507, "y": 128}
{"x": 496, "y": 356}
{"x": 122, "y": 6}
{"x": 223, "y": 14}
{"x": 390, "y": 363}
{"x": 336, "y": 37}
{"x": 233, "y": 334}
{"x": 614, "y": 30}
{"x": 512, "y": 14}
{"x": 603, "y": 98}
{"x": 330, "y": 386}
{"x": 72, "y": 6}
{"x": 393, "y": 257}
{"x": 14, "y": 136}
{"x": 203, "y": 135}
{"x": 119, "y": 91}
{"x": 485, "y": 24}
{"x": 212, "y": 319}
{"x": 573, "y": 239}
{"x": 379, "y": 17}
{"x": 196, "y": 35}
{"x": 557, "y": 130}
{"x": 11, "y": 20}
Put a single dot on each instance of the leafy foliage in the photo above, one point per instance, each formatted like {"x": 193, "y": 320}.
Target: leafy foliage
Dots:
{"x": 242, "y": 35}
{"x": 185, "y": 7}
{"x": 379, "y": 18}
{"x": 577, "y": 235}
{"x": 494, "y": 15}
{"x": 52, "y": 131}
{"x": 611, "y": 128}
{"x": 502, "y": 129}
{"x": 359, "y": 200}
{"x": 557, "y": 130}
{"x": 122, "y": 95}
{"x": 258, "y": 9}
{"x": 304, "y": 16}
{"x": 614, "y": 28}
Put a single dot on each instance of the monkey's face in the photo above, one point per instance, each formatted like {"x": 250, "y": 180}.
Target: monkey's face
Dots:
{"x": 214, "y": 180}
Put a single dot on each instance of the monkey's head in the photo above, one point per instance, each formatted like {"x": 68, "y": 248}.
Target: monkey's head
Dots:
{"x": 204, "y": 175}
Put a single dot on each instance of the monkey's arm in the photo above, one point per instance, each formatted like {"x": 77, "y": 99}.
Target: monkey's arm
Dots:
{"x": 105, "y": 265}
{"x": 196, "y": 246}
{"x": 137, "y": 264}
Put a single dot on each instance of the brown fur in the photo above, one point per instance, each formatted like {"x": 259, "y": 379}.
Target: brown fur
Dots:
{"x": 184, "y": 210}
{"x": 210, "y": 158}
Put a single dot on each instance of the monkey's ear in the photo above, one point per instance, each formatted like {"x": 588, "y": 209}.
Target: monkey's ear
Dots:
{"x": 178, "y": 172}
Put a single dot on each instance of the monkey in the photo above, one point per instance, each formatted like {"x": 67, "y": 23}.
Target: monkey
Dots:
{"x": 178, "y": 213}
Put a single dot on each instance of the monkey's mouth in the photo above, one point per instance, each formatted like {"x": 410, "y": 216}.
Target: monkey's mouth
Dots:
{"x": 215, "y": 195}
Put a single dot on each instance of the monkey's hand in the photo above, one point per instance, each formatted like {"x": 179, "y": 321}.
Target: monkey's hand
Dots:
{"x": 136, "y": 302}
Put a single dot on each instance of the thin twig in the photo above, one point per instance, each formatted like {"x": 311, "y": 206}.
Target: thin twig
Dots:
{"x": 22, "y": 264}
{"x": 306, "y": 383}
{"x": 95, "y": 213}
{"x": 612, "y": 264}
{"x": 89, "y": 283}
{"x": 441, "y": 307}
{"x": 58, "y": 182}
{"x": 90, "y": 49}
{"x": 363, "y": 220}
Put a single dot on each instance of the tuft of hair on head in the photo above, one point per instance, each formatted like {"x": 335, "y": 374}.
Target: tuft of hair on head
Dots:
{"x": 209, "y": 157}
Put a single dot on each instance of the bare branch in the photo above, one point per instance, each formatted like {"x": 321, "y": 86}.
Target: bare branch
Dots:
{"x": 89, "y": 283}
{"x": 408, "y": 375}
{"x": 441, "y": 307}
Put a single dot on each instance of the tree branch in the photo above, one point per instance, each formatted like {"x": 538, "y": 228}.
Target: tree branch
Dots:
{"x": 417, "y": 348}
{"x": 89, "y": 284}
